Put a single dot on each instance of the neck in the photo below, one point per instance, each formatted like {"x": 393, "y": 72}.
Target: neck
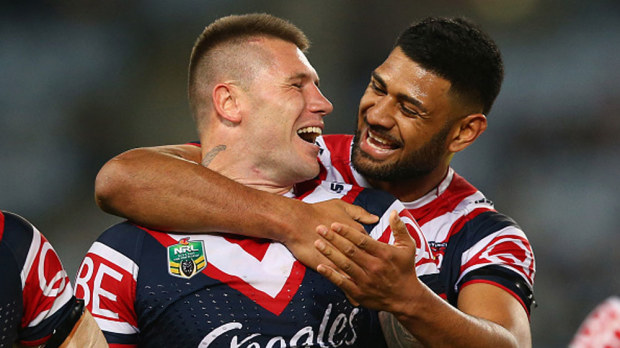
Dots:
{"x": 409, "y": 190}
{"x": 232, "y": 164}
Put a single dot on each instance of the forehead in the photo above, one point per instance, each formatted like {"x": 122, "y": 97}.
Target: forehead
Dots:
{"x": 287, "y": 58}
{"x": 405, "y": 77}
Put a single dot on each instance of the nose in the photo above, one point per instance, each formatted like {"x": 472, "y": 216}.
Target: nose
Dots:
{"x": 318, "y": 103}
{"x": 379, "y": 112}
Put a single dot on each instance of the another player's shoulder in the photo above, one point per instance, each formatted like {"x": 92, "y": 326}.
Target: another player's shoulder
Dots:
{"x": 472, "y": 202}
{"x": 11, "y": 223}
{"x": 376, "y": 201}
{"x": 17, "y": 235}
{"x": 125, "y": 238}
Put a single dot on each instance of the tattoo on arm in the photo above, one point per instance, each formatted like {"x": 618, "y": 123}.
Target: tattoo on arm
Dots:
{"x": 396, "y": 335}
{"x": 211, "y": 154}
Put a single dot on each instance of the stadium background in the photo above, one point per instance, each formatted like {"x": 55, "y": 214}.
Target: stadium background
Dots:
{"x": 85, "y": 80}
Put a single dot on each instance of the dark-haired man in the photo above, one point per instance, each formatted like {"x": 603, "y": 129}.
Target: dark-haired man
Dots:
{"x": 257, "y": 106}
{"x": 426, "y": 102}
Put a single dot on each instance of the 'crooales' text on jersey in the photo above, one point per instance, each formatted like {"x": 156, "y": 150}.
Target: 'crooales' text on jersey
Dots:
{"x": 472, "y": 242}
{"x": 157, "y": 289}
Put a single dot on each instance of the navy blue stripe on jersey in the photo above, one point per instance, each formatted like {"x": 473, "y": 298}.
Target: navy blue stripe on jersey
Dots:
{"x": 472, "y": 232}
{"x": 120, "y": 339}
{"x": 11, "y": 307}
{"x": 375, "y": 202}
{"x": 125, "y": 238}
{"x": 506, "y": 278}
{"x": 49, "y": 324}
{"x": 18, "y": 236}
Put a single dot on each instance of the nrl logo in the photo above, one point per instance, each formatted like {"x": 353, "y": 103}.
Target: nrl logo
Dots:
{"x": 186, "y": 258}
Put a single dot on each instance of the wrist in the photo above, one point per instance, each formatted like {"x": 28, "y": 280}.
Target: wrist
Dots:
{"x": 419, "y": 301}
{"x": 282, "y": 218}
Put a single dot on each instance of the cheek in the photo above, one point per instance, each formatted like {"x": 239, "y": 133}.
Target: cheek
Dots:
{"x": 368, "y": 99}
{"x": 412, "y": 134}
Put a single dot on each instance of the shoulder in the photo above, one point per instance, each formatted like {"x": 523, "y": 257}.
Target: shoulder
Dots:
{"x": 121, "y": 243}
{"x": 15, "y": 230}
{"x": 23, "y": 241}
{"x": 376, "y": 202}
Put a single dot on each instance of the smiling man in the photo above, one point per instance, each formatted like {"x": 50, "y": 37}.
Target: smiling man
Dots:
{"x": 258, "y": 109}
{"x": 427, "y": 101}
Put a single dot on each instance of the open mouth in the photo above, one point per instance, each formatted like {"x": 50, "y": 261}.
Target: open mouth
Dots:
{"x": 380, "y": 142}
{"x": 309, "y": 134}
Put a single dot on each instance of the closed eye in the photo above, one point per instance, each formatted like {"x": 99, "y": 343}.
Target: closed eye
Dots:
{"x": 407, "y": 111}
{"x": 378, "y": 89}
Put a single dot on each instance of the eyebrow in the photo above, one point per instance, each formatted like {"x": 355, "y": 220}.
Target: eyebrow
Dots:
{"x": 400, "y": 96}
{"x": 303, "y": 76}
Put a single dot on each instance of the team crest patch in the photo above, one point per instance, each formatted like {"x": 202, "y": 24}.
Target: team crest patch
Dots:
{"x": 187, "y": 258}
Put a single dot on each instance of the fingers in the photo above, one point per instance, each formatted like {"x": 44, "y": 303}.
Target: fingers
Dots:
{"x": 348, "y": 240}
{"x": 399, "y": 231}
{"x": 359, "y": 214}
{"x": 345, "y": 255}
{"x": 340, "y": 280}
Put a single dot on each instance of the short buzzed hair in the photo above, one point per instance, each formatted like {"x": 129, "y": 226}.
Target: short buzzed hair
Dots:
{"x": 217, "y": 49}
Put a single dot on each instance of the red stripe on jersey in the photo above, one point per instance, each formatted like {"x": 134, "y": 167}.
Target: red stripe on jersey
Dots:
{"x": 45, "y": 282}
{"x": 352, "y": 194}
{"x": 485, "y": 281}
{"x": 454, "y": 194}
{"x": 1, "y": 225}
{"x": 118, "y": 345}
{"x": 273, "y": 304}
{"x": 109, "y": 287}
{"x": 460, "y": 222}
{"x": 253, "y": 246}
{"x": 503, "y": 250}
{"x": 339, "y": 146}
{"x": 35, "y": 343}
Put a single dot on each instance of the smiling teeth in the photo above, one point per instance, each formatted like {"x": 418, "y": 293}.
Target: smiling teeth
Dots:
{"x": 315, "y": 130}
{"x": 377, "y": 139}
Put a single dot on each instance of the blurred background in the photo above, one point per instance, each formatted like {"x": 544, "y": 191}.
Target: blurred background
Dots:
{"x": 81, "y": 81}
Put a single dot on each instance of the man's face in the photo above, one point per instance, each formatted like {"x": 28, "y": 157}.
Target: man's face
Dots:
{"x": 286, "y": 112}
{"x": 403, "y": 121}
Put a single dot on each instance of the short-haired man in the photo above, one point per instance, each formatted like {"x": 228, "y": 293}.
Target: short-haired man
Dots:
{"x": 426, "y": 102}
{"x": 258, "y": 110}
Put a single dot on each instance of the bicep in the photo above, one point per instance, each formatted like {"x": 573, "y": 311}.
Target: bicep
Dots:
{"x": 492, "y": 303}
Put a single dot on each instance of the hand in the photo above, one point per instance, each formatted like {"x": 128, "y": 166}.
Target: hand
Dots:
{"x": 371, "y": 273}
{"x": 305, "y": 217}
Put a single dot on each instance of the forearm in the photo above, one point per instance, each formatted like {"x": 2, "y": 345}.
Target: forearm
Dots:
{"x": 163, "y": 191}
{"x": 436, "y": 323}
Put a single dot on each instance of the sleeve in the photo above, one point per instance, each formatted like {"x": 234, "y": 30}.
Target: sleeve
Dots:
{"x": 107, "y": 280}
{"x": 500, "y": 255}
{"x": 46, "y": 292}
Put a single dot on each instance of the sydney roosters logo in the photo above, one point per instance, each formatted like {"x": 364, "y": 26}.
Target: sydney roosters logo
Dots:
{"x": 335, "y": 330}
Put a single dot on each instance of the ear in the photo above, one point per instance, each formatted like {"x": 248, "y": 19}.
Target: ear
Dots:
{"x": 226, "y": 102}
{"x": 466, "y": 131}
